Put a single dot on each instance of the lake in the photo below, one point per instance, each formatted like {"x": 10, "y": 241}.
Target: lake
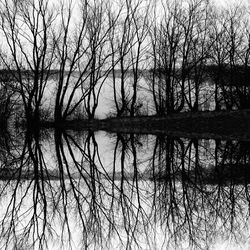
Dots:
{"x": 96, "y": 190}
{"x": 106, "y": 105}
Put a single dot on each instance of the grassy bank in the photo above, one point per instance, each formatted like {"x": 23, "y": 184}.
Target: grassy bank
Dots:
{"x": 220, "y": 125}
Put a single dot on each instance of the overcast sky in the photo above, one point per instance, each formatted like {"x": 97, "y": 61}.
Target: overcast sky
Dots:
{"x": 226, "y": 2}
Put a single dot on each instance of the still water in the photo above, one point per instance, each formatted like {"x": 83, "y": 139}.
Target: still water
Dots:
{"x": 95, "y": 190}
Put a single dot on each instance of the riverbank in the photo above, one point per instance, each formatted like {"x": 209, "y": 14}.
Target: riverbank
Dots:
{"x": 216, "y": 125}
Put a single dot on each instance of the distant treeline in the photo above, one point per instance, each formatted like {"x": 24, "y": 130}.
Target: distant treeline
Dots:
{"x": 238, "y": 76}
{"x": 177, "y": 46}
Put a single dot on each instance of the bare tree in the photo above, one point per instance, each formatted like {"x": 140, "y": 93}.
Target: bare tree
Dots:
{"x": 165, "y": 36}
{"x": 139, "y": 47}
{"x": 198, "y": 52}
{"x": 219, "y": 51}
{"x": 29, "y": 50}
{"x": 121, "y": 43}
{"x": 71, "y": 55}
{"x": 230, "y": 55}
{"x": 100, "y": 53}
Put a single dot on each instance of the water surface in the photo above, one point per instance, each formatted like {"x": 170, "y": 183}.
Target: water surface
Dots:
{"x": 95, "y": 190}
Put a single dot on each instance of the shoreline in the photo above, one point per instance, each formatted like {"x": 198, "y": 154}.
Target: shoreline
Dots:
{"x": 212, "y": 124}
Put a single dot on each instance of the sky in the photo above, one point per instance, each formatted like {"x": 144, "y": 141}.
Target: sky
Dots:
{"x": 227, "y": 2}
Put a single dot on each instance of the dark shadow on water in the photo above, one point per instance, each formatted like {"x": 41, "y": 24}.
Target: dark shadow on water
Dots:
{"x": 86, "y": 190}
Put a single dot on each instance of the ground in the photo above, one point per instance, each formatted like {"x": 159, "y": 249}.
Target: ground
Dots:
{"x": 217, "y": 125}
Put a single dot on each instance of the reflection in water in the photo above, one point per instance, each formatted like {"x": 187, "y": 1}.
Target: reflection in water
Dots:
{"x": 65, "y": 190}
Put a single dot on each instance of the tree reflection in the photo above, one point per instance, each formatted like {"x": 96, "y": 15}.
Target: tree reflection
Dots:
{"x": 158, "y": 192}
{"x": 25, "y": 195}
{"x": 199, "y": 201}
